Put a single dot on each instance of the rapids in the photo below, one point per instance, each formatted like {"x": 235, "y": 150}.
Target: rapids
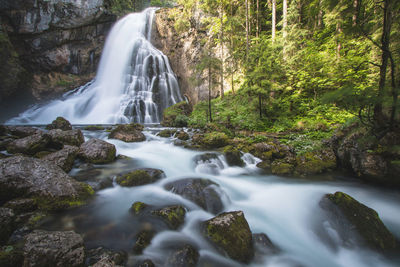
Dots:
{"x": 285, "y": 209}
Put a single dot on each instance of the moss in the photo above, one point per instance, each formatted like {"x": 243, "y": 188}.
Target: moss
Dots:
{"x": 94, "y": 128}
{"x": 135, "y": 178}
{"x": 281, "y": 168}
{"x": 176, "y": 115}
{"x": 182, "y": 135}
{"x": 215, "y": 140}
{"x": 143, "y": 240}
{"x": 233, "y": 156}
{"x": 60, "y": 123}
{"x": 137, "y": 207}
{"x": 315, "y": 162}
{"x": 35, "y": 219}
{"x": 365, "y": 220}
{"x": 42, "y": 154}
{"x": 166, "y": 133}
{"x": 174, "y": 216}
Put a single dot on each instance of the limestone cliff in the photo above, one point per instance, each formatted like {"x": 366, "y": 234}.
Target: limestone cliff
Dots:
{"x": 56, "y": 44}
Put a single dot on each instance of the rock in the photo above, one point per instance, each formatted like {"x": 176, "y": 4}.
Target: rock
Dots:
{"x": 21, "y": 205}
{"x": 22, "y": 131}
{"x": 104, "y": 262}
{"x": 174, "y": 216}
{"x": 45, "y": 248}
{"x": 70, "y": 137}
{"x": 176, "y": 115}
{"x": 30, "y": 145}
{"x": 182, "y": 135}
{"x": 230, "y": 233}
{"x": 184, "y": 257}
{"x": 4, "y": 142}
{"x": 166, "y": 133}
{"x": 137, "y": 207}
{"x": 145, "y": 263}
{"x": 316, "y": 162}
{"x": 143, "y": 240}
{"x": 63, "y": 158}
{"x": 364, "y": 220}
{"x": 97, "y": 255}
{"x": 140, "y": 177}
{"x": 265, "y": 165}
{"x": 50, "y": 186}
{"x": 215, "y": 140}
{"x": 97, "y": 151}
{"x": 11, "y": 256}
{"x": 59, "y": 123}
{"x": 128, "y": 133}
{"x": 233, "y": 156}
{"x": 7, "y": 218}
{"x": 263, "y": 244}
{"x": 280, "y": 167}
{"x": 200, "y": 191}
{"x": 94, "y": 128}
{"x": 209, "y": 163}
{"x": 272, "y": 150}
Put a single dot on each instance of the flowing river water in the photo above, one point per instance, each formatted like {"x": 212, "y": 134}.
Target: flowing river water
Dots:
{"x": 286, "y": 209}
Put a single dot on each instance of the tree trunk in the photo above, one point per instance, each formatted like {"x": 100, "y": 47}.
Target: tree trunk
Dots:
{"x": 209, "y": 92}
{"x": 222, "y": 49}
{"x": 258, "y": 19}
{"x": 284, "y": 25}
{"x": 247, "y": 29}
{"x": 273, "y": 19}
{"x": 355, "y": 12}
{"x": 260, "y": 104}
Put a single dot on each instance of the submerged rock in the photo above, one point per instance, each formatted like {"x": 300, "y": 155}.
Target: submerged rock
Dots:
{"x": 11, "y": 257}
{"x": 200, "y": 191}
{"x": 97, "y": 151}
{"x": 365, "y": 221}
{"x": 143, "y": 240}
{"x": 140, "y": 177}
{"x": 184, "y": 257}
{"x": 137, "y": 207}
{"x": 50, "y": 186}
{"x": 230, "y": 233}
{"x": 263, "y": 245}
{"x": 174, "y": 216}
{"x": 63, "y": 158}
{"x": 145, "y": 263}
{"x": 59, "y": 123}
{"x": 166, "y": 133}
{"x": 70, "y": 137}
{"x": 128, "y": 133}
{"x": 30, "y": 145}
{"x": 45, "y": 248}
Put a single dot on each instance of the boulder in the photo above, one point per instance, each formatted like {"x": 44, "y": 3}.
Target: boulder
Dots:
{"x": 143, "y": 240}
{"x": 316, "y": 162}
{"x": 128, "y": 133}
{"x": 184, "y": 257}
{"x": 182, "y": 135}
{"x": 21, "y": 205}
{"x": 231, "y": 234}
{"x": 45, "y": 248}
{"x": 233, "y": 156}
{"x": 344, "y": 210}
{"x": 97, "y": 151}
{"x": 138, "y": 207}
{"x": 140, "y": 177}
{"x": 145, "y": 263}
{"x": 263, "y": 245}
{"x": 49, "y": 185}
{"x": 63, "y": 158}
{"x": 104, "y": 257}
{"x": 272, "y": 150}
{"x": 280, "y": 167}
{"x": 166, "y": 133}
{"x": 59, "y": 123}
{"x": 200, "y": 191}
{"x": 209, "y": 163}
{"x": 70, "y": 137}
{"x": 22, "y": 131}
{"x": 214, "y": 140}
{"x": 7, "y": 218}
{"x": 174, "y": 216}
{"x": 30, "y": 145}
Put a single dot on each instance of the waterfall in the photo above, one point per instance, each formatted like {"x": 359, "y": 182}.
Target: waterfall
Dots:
{"x": 134, "y": 82}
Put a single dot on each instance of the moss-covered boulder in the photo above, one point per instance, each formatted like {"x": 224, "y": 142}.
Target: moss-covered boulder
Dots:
{"x": 114, "y": 258}
{"x": 166, "y": 133}
{"x": 69, "y": 137}
{"x": 97, "y": 151}
{"x": 30, "y": 145}
{"x": 174, "y": 216}
{"x": 271, "y": 150}
{"x": 63, "y": 158}
{"x": 233, "y": 156}
{"x": 138, "y": 207}
{"x": 315, "y": 162}
{"x": 280, "y": 167}
{"x": 128, "y": 133}
{"x": 143, "y": 240}
{"x": 94, "y": 128}
{"x": 21, "y": 205}
{"x": 214, "y": 140}
{"x": 203, "y": 192}
{"x": 231, "y": 234}
{"x": 265, "y": 165}
{"x": 60, "y": 123}
{"x": 22, "y": 131}
{"x": 364, "y": 220}
{"x": 140, "y": 177}
{"x": 176, "y": 115}
{"x": 182, "y": 135}
{"x": 187, "y": 256}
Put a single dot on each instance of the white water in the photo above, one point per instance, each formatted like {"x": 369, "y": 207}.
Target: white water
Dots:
{"x": 287, "y": 210}
{"x": 134, "y": 82}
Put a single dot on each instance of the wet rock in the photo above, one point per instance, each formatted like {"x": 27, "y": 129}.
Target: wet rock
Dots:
{"x": 30, "y": 145}
{"x": 22, "y": 131}
{"x": 316, "y": 162}
{"x": 265, "y": 165}
{"x": 21, "y": 205}
{"x": 174, "y": 216}
{"x": 140, "y": 177}
{"x": 138, "y": 207}
{"x": 128, "y": 133}
{"x": 343, "y": 210}
{"x": 50, "y": 186}
{"x": 272, "y": 150}
{"x": 5, "y": 141}
{"x": 145, "y": 263}
{"x": 59, "y": 123}
{"x": 200, "y": 191}
{"x": 184, "y": 257}
{"x": 63, "y": 158}
{"x": 70, "y": 137}
{"x": 97, "y": 151}
{"x": 208, "y": 163}
{"x": 230, "y": 233}
{"x": 45, "y": 248}
{"x": 280, "y": 167}
{"x": 11, "y": 256}
{"x": 97, "y": 255}
{"x": 182, "y": 135}
{"x": 7, "y": 218}
{"x": 233, "y": 156}
{"x": 263, "y": 244}
{"x": 166, "y": 133}
{"x": 143, "y": 240}
{"x": 94, "y": 128}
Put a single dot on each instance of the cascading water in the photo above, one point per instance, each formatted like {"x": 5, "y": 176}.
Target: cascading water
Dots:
{"x": 134, "y": 82}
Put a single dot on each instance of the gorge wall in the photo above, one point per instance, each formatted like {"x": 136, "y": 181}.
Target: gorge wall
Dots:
{"x": 48, "y": 47}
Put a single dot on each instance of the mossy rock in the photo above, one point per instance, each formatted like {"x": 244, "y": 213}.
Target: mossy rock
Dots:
{"x": 94, "y": 128}
{"x": 365, "y": 220}
{"x": 233, "y": 156}
{"x": 176, "y": 115}
{"x": 128, "y": 133}
{"x": 215, "y": 140}
{"x": 140, "y": 177}
{"x": 97, "y": 151}
{"x": 11, "y": 256}
{"x": 230, "y": 233}
{"x": 166, "y": 133}
{"x": 182, "y": 135}
{"x": 315, "y": 162}
{"x": 138, "y": 207}
{"x": 174, "y": 216}
{"x": 59, "y": 123}
{"x": 143, "y": 240}
{"x": 265, "y": 165}
{"x": 184, "y": 257}
{"x": 281, "y": 168}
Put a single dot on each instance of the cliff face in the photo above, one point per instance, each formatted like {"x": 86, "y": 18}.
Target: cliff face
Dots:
{"x": 52, "y": 45}
{"x": 184, "y": 51}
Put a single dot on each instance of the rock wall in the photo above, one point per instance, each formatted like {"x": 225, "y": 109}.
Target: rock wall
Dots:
{"x": 56, "y": 44}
